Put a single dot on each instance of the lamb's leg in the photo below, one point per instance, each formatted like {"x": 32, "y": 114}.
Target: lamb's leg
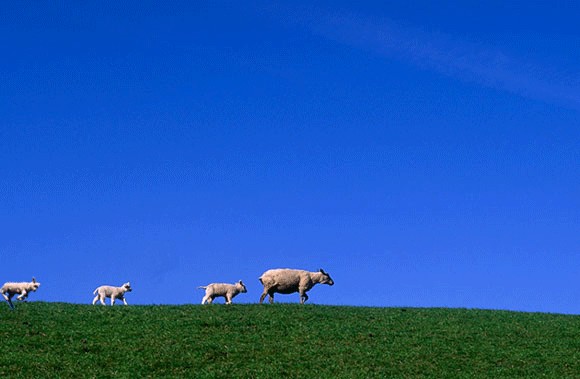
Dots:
{"x": 204, "y": 299}
{"x": 95, "y": 299}
{"x": 124, "y": 300}
{"x": 112, "y": 300}
{"x": 8, "y": 299}
{"x": 102, "y": 298}
{"x": 271, "y": 297}
{"x": 228, "y": 299}
{"x": 22, "y": 296}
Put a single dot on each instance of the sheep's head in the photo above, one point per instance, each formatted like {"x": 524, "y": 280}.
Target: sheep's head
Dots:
{"x": 35, "y": 284}
{"x": 127, "y": 287}
{"x": 242, "y": 287}
{"x": 326, "y": 279}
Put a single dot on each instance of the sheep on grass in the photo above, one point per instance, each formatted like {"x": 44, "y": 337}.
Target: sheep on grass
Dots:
{"x": 228, "y": 291}
{"x": 286, "y": 281}
{"x": 113, "y": 292}
{"x": 10, "y": 289}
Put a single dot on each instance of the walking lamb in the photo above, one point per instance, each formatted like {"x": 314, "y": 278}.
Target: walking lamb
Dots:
{"x": 113, "y": 292}
{"x": 10, "y": 289}
{"x": 229, "y": 291}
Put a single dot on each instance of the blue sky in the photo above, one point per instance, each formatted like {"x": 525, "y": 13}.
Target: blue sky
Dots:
{"x": 423, "y": 154}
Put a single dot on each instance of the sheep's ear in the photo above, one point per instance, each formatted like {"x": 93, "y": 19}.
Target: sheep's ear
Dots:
{"x": 240, "y": 282}
{"x": 322, "y": 271}
{"x": 33, "y": 279}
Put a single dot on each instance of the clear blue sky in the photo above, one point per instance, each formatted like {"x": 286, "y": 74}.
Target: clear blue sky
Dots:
{"x": 422, "y": 154}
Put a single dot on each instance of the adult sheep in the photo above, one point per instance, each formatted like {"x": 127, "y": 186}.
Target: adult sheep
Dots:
{"x": 286, "y": 281}
{"x": 229, "y": 291}
{"x": 10, "y": 289}
{"x": 113, "y": 292}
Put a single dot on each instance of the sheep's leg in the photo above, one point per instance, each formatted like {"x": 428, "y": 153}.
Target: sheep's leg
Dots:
{"x": 23, "y": 296}
{"x": 102, "y": 298}
{"x": 210, "y": 300}
{"x": 95, "y": 299}
{"x": 228, "y": 299}
{"x": 271, "y": 297}
{"x": 124, "y": 300}
{"x": 8, "y": 299}
{"x": 204, "y": 299}
{"x": 112, "y": 300}
{"x": 262, "y": 297}
{"x": 303, "y": 297}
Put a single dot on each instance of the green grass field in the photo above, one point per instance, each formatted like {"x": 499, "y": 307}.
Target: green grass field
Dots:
{"x": 58, "y": 340}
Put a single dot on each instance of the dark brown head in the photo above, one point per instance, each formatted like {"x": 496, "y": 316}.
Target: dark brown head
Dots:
{"x": 35, "y": 284}
{"x": 326, "y": 279}
{"x": 241, "y": 286}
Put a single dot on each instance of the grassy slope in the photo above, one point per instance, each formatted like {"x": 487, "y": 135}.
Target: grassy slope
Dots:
{"x": 285, "y": 340}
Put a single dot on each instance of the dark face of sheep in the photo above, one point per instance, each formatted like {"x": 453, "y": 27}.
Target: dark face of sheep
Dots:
{"x": 326, "y": 279}
{"x": 127, "y": 286}
{"x": 243, "y": 286}
{"x": 35, "y": 284}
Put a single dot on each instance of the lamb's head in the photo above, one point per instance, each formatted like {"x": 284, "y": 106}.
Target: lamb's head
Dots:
{"x": 326, "y": 279}
{"x": 127, "y": 287}
{"x": 35, "y": 284}
{"x": 241, "y": 286}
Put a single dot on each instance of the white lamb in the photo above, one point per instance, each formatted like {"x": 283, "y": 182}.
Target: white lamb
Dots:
{"x": 286, "y": 281}
{"x": 229, "y": 291}
{"x": 10, "y": 289}
{"x": 113, "y": 292}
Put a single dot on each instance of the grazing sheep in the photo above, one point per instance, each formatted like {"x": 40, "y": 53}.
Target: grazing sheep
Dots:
{"x": 286, "y": 281}
{"x": 22, "y": 288}
{"x": 229, "y": 291}
{"x": 112, "y": 292}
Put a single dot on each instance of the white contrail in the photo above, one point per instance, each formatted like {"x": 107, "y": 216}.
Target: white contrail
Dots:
{"x": 448, "y": 55}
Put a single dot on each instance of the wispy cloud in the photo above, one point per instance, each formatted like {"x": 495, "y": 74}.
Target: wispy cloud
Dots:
{"x": 450, "y": 56}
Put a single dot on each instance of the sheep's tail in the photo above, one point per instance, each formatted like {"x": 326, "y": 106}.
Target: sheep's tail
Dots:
{"x": 202, "y": 287}
{"x": 95, "y": 291}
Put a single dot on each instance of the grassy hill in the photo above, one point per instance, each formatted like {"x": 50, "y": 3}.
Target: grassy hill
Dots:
{"x": 43, "y": 340}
